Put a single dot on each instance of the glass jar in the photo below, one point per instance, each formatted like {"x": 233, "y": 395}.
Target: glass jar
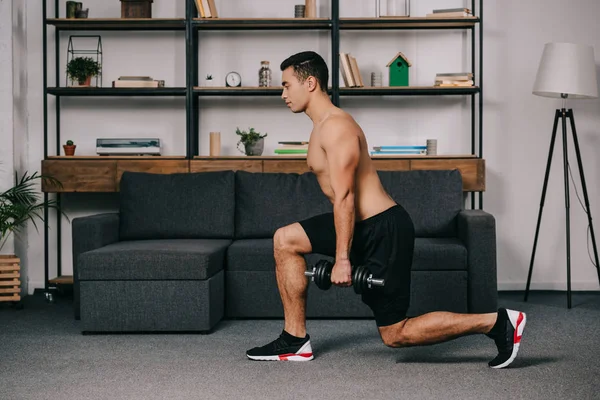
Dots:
{"x": 264, "y": 74}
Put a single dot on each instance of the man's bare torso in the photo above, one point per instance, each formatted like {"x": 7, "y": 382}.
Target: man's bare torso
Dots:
{"x": 370, "y": 196}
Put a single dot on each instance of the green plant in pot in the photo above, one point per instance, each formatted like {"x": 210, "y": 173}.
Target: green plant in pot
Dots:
{"x": 253, "y": 142}
{"x": 82, "y": 69}
{"x": 20, "y": 204}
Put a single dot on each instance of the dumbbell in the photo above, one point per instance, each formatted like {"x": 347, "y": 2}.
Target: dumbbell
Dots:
{"x": 362, "y": 279}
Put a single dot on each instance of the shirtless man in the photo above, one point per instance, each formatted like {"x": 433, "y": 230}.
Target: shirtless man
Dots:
{"x": 366, "y": 227}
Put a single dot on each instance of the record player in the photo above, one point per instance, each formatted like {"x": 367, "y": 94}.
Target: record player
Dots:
{"x": 132, "y": 147}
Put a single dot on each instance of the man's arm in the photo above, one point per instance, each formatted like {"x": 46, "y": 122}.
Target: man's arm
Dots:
{"x": 342, "y": 147}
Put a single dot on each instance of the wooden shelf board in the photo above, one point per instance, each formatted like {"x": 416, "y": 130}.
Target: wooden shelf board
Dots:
{"x": 407, "y": 22}
{"x": 118, "y": 23}
{"x": 110, "y": 91}
{"x": 408, "y": 90}
{"x": 271, "y": 23}
{"x": 228, "y": 20}
{"x": 154, "y": 158}
{"x": 62, "y": 280}
{"x": 242, "y": 88}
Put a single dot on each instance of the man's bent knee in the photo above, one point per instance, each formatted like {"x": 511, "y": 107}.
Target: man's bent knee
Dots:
{"x": 395, "y": 335}
{"x": 291, "y": 238}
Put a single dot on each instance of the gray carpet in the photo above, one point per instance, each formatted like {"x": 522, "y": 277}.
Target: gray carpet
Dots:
{"x": 44, "y": 356}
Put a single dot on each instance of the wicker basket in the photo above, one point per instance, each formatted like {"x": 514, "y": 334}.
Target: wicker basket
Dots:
{"x": 10, "y": 278}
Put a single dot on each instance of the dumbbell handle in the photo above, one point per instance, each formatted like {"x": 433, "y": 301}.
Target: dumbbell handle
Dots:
{"x": 375, "y": 281}
{"x": 370, "y": 279}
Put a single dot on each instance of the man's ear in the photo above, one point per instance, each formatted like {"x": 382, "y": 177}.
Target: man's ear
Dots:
{"x": 312, "y": 83}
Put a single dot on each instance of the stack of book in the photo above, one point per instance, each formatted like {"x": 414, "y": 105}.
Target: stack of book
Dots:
{"x": 450, "y": 13}
{"x": 137, "y": 82}
{"x": 292, "y": 149}
{"x": 207, "y": 9}
{"x": 350, "y": 71}
{"x": 396, "y": 150}
{"x": 451, "y": 79}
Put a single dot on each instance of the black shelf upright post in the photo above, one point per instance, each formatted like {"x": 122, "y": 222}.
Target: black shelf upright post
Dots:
{"x": 189, "y": 84}
{"x": 477, "y": 140}
{"x": 195, "y": 112}
{"x": 58, "y": 100}
{"x": 473, "y": 114}
{"x": 45, "y": 100}
{"x": 480, "y": 90}
{"x": 335, "y": 51}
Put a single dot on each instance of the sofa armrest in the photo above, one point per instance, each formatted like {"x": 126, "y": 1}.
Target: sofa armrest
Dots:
{"x": 477, "y": 230}
{"x": 89, "y": 233}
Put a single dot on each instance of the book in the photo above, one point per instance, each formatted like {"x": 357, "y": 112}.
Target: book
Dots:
{"x": 399, "y": 152}
{"x": 399, "y": 147}
{"x": 290, "y": 151}
{"x": 346, "y": 70}
{"x": 134, "y": 84}
{"x": 457, "y": 14}
{"x": 449, "y": 10}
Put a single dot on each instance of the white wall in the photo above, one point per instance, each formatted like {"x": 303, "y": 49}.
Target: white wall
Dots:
{"x": 516, "y": 124}
{"x": 6, "y": 106}
{"x": 21, "y": 133}
{"x": 518, "y": 127}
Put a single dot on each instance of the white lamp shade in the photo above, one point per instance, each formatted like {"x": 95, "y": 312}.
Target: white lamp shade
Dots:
{"x": 567, "y": 68}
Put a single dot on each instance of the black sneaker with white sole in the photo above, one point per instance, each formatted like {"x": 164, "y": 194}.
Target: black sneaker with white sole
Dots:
{"x": 507, "y": 334}
{"x": 283, "y": 349}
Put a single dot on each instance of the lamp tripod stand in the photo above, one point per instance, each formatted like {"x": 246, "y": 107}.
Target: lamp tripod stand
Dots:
{"x": 564, "y": 114}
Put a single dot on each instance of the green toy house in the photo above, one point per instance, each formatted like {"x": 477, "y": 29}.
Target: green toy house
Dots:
{"x": 398, "y": 68}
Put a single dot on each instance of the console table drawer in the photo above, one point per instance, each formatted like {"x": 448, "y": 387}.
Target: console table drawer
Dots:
{"x": 80, "y": 175}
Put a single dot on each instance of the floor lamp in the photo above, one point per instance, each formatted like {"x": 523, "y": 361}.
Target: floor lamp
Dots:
{"x": 566, "y": 70}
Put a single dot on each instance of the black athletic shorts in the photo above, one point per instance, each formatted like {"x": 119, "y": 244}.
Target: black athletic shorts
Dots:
{"x": 384, "y": 243}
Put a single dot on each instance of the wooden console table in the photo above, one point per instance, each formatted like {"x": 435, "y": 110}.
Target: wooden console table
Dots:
{"x": 85, "y": 174}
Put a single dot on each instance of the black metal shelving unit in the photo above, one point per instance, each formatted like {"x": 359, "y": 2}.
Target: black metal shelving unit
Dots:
{"x": 194, "y": 26}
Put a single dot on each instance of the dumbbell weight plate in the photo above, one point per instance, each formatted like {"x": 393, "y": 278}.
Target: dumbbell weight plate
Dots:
{"x": 359, "y": 279}
{"x": 323, "y": 274}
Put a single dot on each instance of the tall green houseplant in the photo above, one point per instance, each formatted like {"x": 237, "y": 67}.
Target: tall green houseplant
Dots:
{"x": 20, "y": 204}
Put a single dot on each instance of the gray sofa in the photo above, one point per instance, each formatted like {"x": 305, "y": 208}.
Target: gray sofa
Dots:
{"x": 186, "y": 250}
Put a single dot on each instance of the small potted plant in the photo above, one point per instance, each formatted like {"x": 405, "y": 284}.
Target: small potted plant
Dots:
{"x": 69, "y": 148}
{"x": 82, "y": 69}
{"x": 253, "y": 142}
{"x": 209, "y": 80}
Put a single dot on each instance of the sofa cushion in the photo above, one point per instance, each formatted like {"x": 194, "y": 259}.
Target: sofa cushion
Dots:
{"x": 430, "y": 254}
{"x": 432, "y": 198}
{"x": 267, "y": 201}
{"x": 257, "y": 255}
{"x": 154, "y": 260}
{"x": 174, "y": 206}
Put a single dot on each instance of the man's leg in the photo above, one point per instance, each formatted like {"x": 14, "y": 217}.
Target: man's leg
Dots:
{"x": 435, "y": 327}
{"x": 290, "y": 243}
{"x": 505, "y": 327}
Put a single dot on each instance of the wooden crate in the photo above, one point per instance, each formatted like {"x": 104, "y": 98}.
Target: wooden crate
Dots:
{"x": 10, "y": 278}
{"x": 136, "y": 8}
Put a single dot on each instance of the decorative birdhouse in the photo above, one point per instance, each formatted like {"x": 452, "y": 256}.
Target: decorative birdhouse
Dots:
{"x": 398, "y": 68}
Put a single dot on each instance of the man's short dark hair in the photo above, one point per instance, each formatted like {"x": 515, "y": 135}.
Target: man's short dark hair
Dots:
{"x": 308, "y": 63}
